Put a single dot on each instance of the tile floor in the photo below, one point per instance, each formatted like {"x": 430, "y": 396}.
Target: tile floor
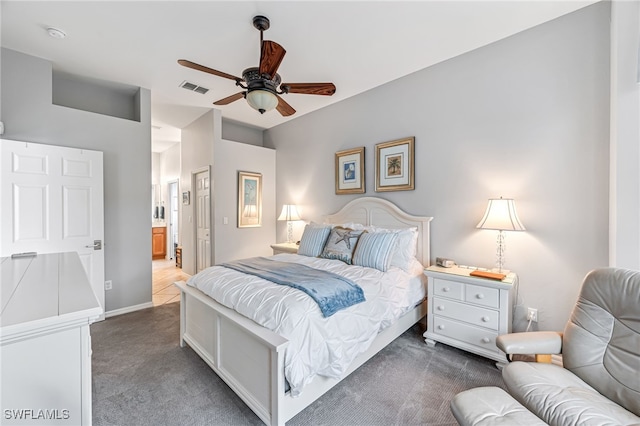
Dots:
{"x": 164, "y": 274}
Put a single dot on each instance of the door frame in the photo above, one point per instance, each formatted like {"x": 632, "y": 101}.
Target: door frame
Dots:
{"x": 171, "y": 250}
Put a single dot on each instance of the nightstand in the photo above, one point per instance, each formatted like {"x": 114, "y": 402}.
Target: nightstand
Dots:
{"x": 284, "y": 248}
{"x": 469, "y": 312}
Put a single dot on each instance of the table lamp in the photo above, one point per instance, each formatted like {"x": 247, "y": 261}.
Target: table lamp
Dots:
{"x": 501, "y": 216}
{"x": 289, "y": 213}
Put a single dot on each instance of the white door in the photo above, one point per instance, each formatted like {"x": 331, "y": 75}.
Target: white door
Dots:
{"x": 203, "y": 220}
{"x": 52, "y": 201}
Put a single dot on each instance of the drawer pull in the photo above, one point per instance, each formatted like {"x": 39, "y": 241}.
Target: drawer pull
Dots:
{"x": 446, "y": 289}
{"x": 479, "y": 296}
{"x": 441, "y": 327}
{"x": 440, "y": 308}
{"x": 486, "y": 319}
{"x": 486, "y": 340}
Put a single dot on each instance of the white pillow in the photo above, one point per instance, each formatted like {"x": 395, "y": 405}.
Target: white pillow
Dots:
{"x": 353, "y": 225}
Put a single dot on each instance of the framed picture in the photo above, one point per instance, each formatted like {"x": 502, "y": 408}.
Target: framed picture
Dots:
{"x": 249, "y": 200}
{"x": 186, "y": 198}
{"x": 395, "y": 165}
{"x": 350, "y": 171}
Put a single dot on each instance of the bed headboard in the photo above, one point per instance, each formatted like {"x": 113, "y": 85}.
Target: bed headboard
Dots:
{"x": 383, "y": 213}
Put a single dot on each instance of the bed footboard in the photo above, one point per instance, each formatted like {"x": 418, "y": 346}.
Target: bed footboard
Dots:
{"x": 248, "y": 357}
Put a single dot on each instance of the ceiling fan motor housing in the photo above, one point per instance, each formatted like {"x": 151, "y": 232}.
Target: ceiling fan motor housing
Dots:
{"x": 255, "y": 81}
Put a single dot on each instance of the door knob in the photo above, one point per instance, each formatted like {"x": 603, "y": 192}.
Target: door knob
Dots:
{"x": 97, "y": 245}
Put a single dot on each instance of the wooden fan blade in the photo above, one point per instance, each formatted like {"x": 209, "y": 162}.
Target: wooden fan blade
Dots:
{"x": 284, "y": 108}
{"x": 202, "y": 68}
{"x": 271, "y": 55}
{"x": 229, "y": 99}
{"x": 326, "y": 89}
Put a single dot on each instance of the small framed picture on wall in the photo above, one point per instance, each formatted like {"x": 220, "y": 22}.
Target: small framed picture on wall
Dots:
{"x": 350, "y": 171}
{"x": 395, "y": 165}
{"x": 249, "y": 200}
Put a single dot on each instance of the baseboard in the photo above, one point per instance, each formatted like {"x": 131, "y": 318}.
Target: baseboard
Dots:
{"x": 128, "y": 309}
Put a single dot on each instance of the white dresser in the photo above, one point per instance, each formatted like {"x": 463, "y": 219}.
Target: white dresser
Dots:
{"x": 45, "y": 345}
{"x": 468, "y": 312}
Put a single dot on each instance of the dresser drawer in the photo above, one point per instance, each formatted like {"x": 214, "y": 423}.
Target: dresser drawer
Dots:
{"x": 479, "y": 337}
{"x": 474, "y": 315}
{"x": 450, "y": 289}
{"x": 483, "y": 296}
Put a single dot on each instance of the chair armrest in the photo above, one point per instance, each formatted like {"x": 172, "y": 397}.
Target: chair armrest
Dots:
{"x": 532, "y": 343}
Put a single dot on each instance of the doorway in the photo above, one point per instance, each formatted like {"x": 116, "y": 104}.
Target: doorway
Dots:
{"x": 173, "y": 228}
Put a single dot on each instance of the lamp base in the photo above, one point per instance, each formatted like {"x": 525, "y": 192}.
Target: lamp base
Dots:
{"x": 289, "y": 232}
{"x": 501, "y": 271}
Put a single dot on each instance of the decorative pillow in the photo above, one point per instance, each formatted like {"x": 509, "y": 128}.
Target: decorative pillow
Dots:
{"x": 313, "y": 239}
{"x": 374, "y": 250}
{"x": 405, "y": 250}
{"x": 341, "y": 244}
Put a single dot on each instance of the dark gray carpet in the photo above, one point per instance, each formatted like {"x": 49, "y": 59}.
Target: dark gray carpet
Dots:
{"x": 142, "y": 377}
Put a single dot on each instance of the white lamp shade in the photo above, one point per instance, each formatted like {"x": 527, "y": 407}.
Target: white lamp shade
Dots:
{"x": 262, "y": 100}
{"x": 501, "y": 215}
{"x": 289, "y": 212}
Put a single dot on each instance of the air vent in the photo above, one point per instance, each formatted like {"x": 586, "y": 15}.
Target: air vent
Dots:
{"x": 193, "y": 87}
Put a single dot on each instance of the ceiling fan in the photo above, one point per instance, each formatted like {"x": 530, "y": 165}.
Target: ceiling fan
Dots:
{"x": 261, "y": 83}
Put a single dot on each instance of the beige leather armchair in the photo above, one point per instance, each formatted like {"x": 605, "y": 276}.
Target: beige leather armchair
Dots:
{"x": 599, "y": 382}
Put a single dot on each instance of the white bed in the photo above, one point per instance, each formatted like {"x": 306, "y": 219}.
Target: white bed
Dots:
{"x": 250, "y": 358}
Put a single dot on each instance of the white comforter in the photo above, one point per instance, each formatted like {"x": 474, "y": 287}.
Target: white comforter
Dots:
{"x": 317, "y": 345}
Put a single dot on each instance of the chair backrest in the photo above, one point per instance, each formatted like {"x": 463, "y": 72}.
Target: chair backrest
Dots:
{"x": 601, "y": 343}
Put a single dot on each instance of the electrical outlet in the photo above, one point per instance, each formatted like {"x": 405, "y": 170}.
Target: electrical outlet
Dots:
{"x": 532, "y": 314}
{"x": 108, "y": 285}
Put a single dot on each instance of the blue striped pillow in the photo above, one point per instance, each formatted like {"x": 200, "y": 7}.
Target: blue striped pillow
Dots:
{"x": 313, "y": 239}
{"x": 374, "y": 250}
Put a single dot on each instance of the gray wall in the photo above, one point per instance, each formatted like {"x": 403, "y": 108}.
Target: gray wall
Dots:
{"x": 240, "y": 132}
{"x": 526, "y": 117}
{"x": 202, "y": 146}
{"x": 29, "y": 115}
{"x": 232, "y": 242}
{"x": 196, "y": 154}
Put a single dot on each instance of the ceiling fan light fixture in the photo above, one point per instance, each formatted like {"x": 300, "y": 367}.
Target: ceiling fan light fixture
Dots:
{"x": 262, "y": 100}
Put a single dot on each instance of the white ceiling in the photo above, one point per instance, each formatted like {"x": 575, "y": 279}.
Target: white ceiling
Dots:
{"x": 356, "y": 45}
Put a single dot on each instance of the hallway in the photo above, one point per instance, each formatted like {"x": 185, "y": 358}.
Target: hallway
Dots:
{"x": 164, "y": 274}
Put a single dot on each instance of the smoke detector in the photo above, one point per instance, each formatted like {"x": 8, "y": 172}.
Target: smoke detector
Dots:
{"x": 56, "y": 33}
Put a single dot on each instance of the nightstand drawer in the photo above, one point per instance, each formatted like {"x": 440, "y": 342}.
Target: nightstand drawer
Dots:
{"x": 484, "y": 296}
{"x": 450, "y": 289}
{"x": 482, "y": 338}
{"x": 474, "y": 315}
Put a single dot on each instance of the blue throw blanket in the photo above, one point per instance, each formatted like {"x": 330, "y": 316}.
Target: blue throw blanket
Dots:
{"x": 331, "y": 292}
